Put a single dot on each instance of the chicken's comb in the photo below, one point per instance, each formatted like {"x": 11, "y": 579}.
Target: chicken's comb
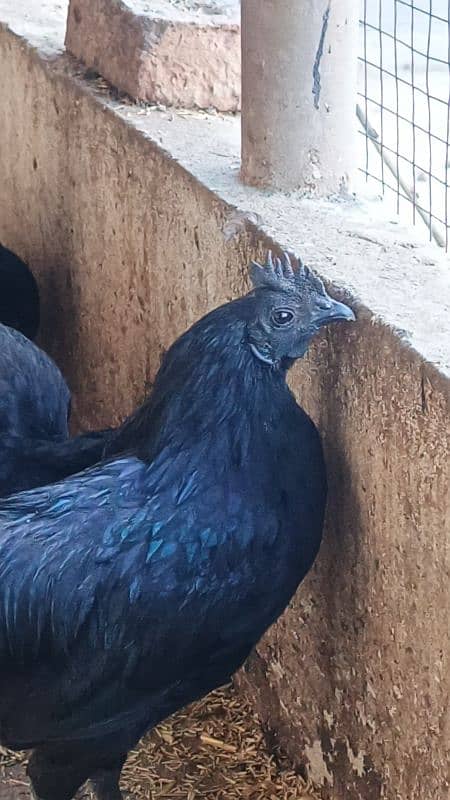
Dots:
{"x": 279, "y": 273}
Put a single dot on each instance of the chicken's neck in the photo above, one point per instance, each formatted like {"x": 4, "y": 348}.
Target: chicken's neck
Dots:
{"x": 211, "y": 385}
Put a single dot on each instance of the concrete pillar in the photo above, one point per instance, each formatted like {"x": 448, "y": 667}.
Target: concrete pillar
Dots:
{"x": 299, "y": 61}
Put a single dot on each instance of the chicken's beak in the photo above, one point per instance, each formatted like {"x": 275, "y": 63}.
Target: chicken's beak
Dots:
{"x": 335, "y": 311}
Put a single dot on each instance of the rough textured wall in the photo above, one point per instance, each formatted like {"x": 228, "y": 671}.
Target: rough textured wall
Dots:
{"x": 129, "y": 250}
{"x": 355, "y": 679}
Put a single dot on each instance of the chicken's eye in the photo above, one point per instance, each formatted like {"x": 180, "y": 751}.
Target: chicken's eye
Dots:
{"x": 282, "y": 316}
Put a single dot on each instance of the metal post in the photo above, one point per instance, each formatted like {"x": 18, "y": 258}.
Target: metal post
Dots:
{"x": 299, "y": 60}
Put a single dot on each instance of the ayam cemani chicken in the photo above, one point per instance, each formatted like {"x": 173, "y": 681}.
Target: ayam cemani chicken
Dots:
{"x": 135, "y": 587}
{"x": 35, "y": 448}
{"x": 19, "y": 294}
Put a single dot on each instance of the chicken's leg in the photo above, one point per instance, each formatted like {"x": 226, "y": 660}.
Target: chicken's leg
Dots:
{"x": 106, "y": 784}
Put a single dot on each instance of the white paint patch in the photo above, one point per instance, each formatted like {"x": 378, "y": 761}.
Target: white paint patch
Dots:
{"x": 338, "y": 693}
{"x": 356, "y": 761}
{"x": 277, "y": 669}
{"x": 329, "y": 718}
{"x": 318, "y": 770}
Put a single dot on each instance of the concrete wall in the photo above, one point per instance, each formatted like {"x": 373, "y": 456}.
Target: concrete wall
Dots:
{"x": 129, "y": 250}
{"x": 356, "y": 675}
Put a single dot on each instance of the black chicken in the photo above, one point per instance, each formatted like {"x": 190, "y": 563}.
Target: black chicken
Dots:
{"x": 34, "y": 411}
{"x": 35, "y": 448}
{"x": 133, "y": 588}
{"x": 19, "y": 294}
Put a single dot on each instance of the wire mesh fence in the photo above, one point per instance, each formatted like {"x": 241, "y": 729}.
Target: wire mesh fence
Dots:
{"x": 404, "y": 106}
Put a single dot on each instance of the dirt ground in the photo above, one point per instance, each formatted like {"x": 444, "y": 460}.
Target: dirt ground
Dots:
{"x": 13, "y": 783}
{"x": 213, "y": 750}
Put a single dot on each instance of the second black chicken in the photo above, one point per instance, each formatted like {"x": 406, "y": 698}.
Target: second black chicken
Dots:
{"x": 19, "y": 294}
{"x": 35, "y": 448}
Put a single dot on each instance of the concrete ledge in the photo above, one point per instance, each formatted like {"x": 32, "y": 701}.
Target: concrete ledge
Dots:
{"x": 169, "y": 55}
{"x": 137, "y": 224}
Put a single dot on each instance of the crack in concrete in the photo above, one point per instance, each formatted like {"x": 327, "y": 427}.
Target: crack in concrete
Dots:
{"x": 316, "y": 68}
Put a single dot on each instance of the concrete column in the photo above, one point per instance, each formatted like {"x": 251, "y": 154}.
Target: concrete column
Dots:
{"x": 299, "y": 61}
